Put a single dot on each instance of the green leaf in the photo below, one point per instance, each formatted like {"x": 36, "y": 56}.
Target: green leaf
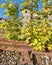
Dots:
{"x": 3, "y": 5}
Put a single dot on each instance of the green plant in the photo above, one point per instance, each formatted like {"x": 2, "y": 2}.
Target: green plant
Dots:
{"x": 38, "y": 31}
{"x": 12, "y": 25}
{"x": 38, "y": 35}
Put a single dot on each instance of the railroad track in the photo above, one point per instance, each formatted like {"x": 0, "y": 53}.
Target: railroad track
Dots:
{"x": 20, "y": 46}
{"x": 14, "y": 45}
